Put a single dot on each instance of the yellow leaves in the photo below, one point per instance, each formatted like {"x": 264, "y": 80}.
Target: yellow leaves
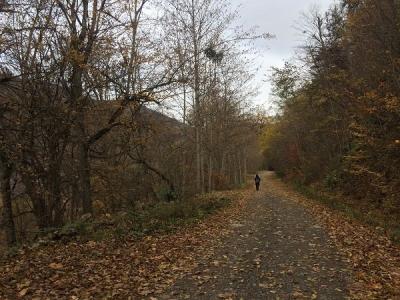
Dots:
{"x": 371, "y": 95}
{"x": 216, "y": 263}
{"x": 226, "y": 296}
{"x": 144, "y": 291}
{"x": 146, "y": 96}
{"x": 91, "y": 244}
{"x": 23, "y": 288}
{"x": 270, "y": 133}
{"x": 24, "y": 284}
{"x": 267, "y": 285}
{"x": 56, "y": 266}
{"x": 391, "y": 103}
{"x": 297, "y": 295}
{"x": 377, "y": 286}
{"x": 23, "y": 292}
{"x": 134, "y": 269}
{"x": 76, "y": 57}
{"x": 164, "y": 266}
{"x": 257, "y": 262}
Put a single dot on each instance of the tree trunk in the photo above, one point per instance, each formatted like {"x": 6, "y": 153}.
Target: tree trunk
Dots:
{"x": 83, "y": 45}
{"x": 198, "y": 159}
{"x": 244, "y": 166}
{"x": 199, "y": 180}
{"x": 79, "y": 102}
{"x": 240, "y": 169}
{"x": 183, "y": 186}
{"x": 210, "y": 161}
{"x": 202, "y": 172}
{"x": 210, "y": 172}
{"x": 55, "y": 202}
{"x": 75, "y": 204}
{"x": 84, "y": 175}
{"x": 39, "y": 205}
{"x": 223, "y": 163}
{"x": 8, "y": 221}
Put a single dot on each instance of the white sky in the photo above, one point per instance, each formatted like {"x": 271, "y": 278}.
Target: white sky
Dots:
{"x": 278, "y": 17}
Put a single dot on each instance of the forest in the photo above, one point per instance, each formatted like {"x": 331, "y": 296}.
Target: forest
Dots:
{"x": 82, "y": 89}
{"x": 136, "y": 163}
{"x": 337, "y": 129}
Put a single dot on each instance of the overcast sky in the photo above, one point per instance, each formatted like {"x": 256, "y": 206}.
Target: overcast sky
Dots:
{"x": 278, "y": 17}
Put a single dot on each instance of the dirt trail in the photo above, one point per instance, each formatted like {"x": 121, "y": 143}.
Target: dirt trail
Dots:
{"x": 276, "y": 251}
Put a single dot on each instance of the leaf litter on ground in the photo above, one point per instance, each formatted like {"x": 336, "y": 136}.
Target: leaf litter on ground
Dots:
{"x": 125, "y": 268}
{"x": 374, "y": 259}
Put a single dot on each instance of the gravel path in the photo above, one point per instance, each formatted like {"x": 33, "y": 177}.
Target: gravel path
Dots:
{"x": 276, "y": 251}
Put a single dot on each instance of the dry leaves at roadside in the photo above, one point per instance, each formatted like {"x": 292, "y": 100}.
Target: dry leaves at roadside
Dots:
{"x": 117, "y": 269}
{"x": 374, "y": 259}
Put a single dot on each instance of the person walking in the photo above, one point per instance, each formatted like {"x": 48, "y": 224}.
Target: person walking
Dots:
{"x": 257, "y": 181}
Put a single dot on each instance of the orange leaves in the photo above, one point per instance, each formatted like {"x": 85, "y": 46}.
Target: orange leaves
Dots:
{"x": 76, "y": 57}
{"x": 56, "y": 266}
{"x": 23, "y": 292}
{"x": 226, "y": 296}
{"x": 375, "y": 260}
{"x": 392, "y": 103}
{"x": 23, "y": 288}
{"x": 371, "y": 94}
{"x": 114, "y": 268}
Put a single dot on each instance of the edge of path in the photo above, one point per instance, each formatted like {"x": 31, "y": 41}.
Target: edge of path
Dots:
{"x": 117, "y": 269}
{"x": 374, "y": 259}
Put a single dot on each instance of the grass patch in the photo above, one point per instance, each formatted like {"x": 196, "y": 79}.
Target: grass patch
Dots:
{"x": 368, "y": 215}
{"x": 166, "y": 217}
{"x": 161, "y": 217}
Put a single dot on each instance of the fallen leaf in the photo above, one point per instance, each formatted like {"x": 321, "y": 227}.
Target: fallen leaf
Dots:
{"x": 23, "y": 292}
{"x": 56, "y": 266}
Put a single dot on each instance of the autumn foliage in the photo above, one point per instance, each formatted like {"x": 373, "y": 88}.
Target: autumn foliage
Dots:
{"x": 85, "y": 89}
{"x": 338, "y": 125}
